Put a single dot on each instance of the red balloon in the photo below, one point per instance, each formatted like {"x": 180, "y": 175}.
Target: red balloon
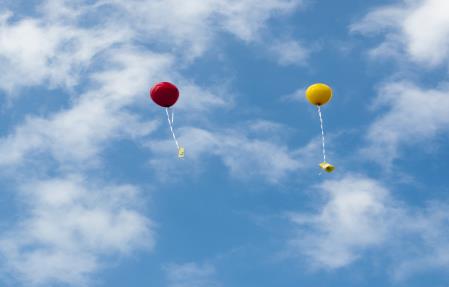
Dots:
{"x": 164, "y": 94}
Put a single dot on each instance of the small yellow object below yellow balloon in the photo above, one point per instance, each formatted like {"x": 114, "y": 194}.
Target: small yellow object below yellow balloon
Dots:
{"x": 318, "y": 94}
{"x": 327, "y": 167}
{"x": 181, "y": 152}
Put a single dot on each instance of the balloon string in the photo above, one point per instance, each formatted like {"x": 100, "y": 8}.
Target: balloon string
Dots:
{"x": 322, "y": 133}
{"x": 170, "y": 123}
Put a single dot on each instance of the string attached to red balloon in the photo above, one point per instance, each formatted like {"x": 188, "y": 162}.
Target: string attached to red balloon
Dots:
{"x": 170, "y": 117}
{"x": 166, "y": 94}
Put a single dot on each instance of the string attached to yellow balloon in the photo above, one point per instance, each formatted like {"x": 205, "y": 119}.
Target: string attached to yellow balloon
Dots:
{"x": 322, "y": 134}
{"x": 318, "y": 95}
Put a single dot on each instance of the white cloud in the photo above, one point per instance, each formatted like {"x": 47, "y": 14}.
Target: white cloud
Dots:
{"x": 414, "y": 115}
{"x": 70, "y": 224}
{"x": 297, "y": 96}
{"x": 70, "y": 228}
{"x": 246, "y": 18}
{"x": 420, "y": 28}
{"x": 80, "y": 132}
{"x": 289, "y": 52}
{"x": 200, "y": 99}
{"x": 247, "y": 154}
{"x": 53, "y": 49}
{"x": 429, "y": 249}
{"x": 359, "y": 215}
{"x": 353, "y": 218}
{"x": 191, "y": 26}
{"x": 107, "y": 61}
{"x": 264, "y": 127}
{"x": 35, "y": 52}
{"x": 184, "y": 25}
{"x": 191, "y": 275}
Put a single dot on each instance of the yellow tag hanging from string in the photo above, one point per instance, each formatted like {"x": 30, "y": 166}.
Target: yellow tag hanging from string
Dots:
{"x": 181, "y": 152}
{"x": 327, "y": 167}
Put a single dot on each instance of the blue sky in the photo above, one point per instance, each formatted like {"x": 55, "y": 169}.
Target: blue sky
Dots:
{"x": 93, "y": 193}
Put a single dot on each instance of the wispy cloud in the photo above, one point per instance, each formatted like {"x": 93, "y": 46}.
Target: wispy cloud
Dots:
{"x": 414, "y": 32}
{"x": 289, "y": 52}
{"x": 78, "y": 133}
{"x": 359, "y": 215}
{"x": 70, "y": 227}
{"x": 38, "y": 51}
{"x": 418, "y": 28}
{"x": 296, "y": 96}
{"x": 199, "y": 22}
{"x": 104, "y": 63}
{"x": 353, "y": 218}
{"x": 251, "y": 151}
{"x": 414, "y": 115}
{"x": 191, "y": 275}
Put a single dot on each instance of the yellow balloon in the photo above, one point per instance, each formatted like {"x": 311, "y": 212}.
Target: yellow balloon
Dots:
{"x": 318, "y": 94}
